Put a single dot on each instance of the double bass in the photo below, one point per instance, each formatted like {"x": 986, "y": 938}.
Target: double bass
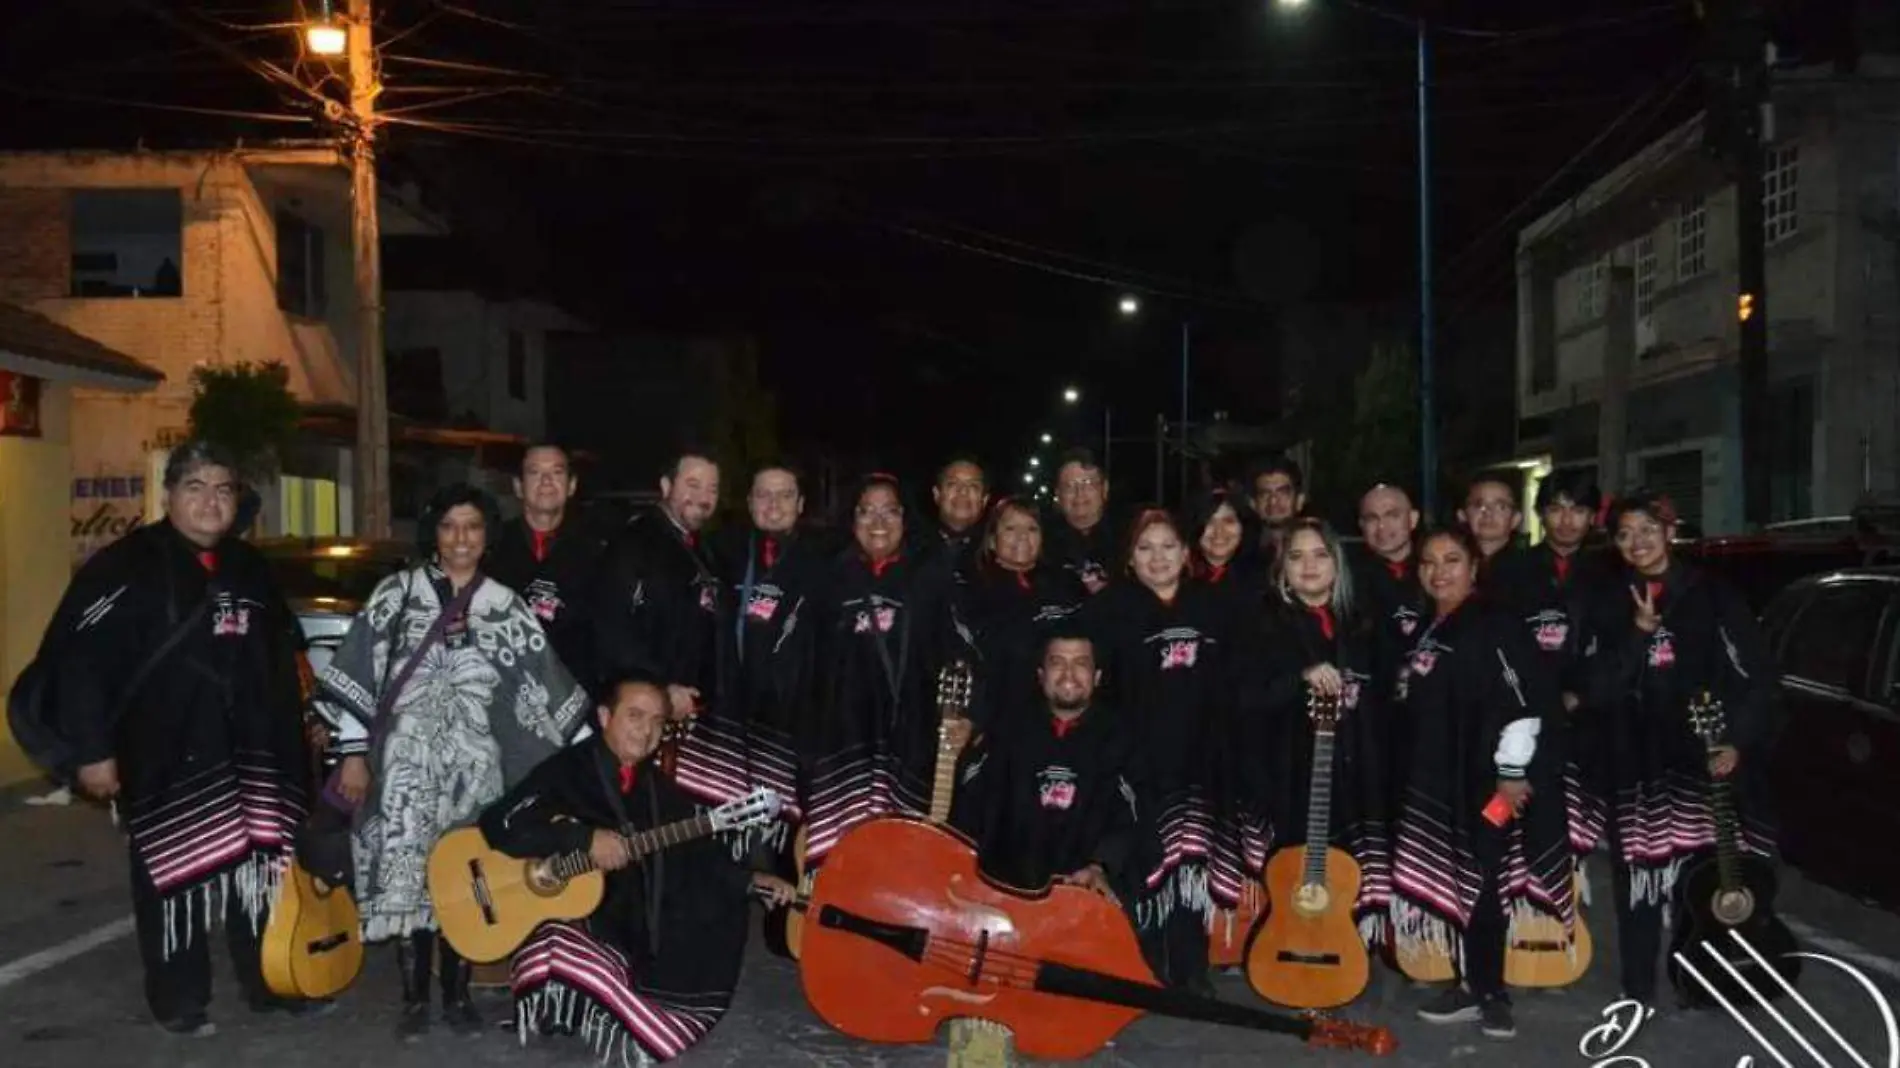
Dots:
{"x": 904, "y": 932}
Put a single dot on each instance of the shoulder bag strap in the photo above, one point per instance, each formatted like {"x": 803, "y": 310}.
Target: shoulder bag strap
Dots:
{"x": 387, "y": 699}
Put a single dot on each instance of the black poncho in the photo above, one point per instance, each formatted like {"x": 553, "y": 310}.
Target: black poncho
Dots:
{"x": 1273, "y": 760}
{"x": 1548, "y": 593}
{"x": 1166, "y": 669}
{"x": 663, "y": 611}
{"x": 1044, "y": 799}
{"x": 1652, "y": 767}
{"x": 213, "y": 767}
{"x": 1011, "y": 614}
{"x": 556, "y": 573}
{"x": 1462, "y": 684}
{"x": 656, "y": 963}
{"x": 883, "y": 632}
{"x": 1093, "y": 558}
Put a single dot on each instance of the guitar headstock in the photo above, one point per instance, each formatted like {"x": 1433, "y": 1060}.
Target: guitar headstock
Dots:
{"x": 759, "y": 807}
{"x": 954, "y": 685}
{"x": 1328, "y": 1033}
{"x": 1707, "y": 718}
{"x": 1323, "y": 710}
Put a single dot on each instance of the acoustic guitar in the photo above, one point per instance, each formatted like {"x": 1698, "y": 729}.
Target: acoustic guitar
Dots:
{"x": 1538, "y": 953}
{"x": 954, "y": 684}
{"x": 1730, "y": 893}
{"x": 488, "y": 903}
{"x": 1308, "y": 954}
{"x": 906, "y": 933}
{"x": 312, "y": 946}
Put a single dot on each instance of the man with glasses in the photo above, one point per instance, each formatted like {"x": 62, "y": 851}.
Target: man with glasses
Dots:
{"x": 551, "y": 558}
{"x": 169, "y": 679}
{"x": 1082, "y": 539}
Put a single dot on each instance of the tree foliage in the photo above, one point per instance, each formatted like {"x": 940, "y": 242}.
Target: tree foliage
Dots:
{"x": 744, "y": 432}
{"x": 1379, "y": 443}
{"x": 248, "y": 409}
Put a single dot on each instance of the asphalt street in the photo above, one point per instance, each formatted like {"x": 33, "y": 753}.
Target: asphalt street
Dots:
{"x": 69, "y": 996}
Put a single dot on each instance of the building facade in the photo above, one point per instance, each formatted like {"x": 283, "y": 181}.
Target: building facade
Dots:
{"x": 188, "y": 259}
{"x": 1629, "y": 318}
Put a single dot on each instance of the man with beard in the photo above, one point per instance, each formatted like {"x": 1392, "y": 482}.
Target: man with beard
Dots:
{"x": 1051, "y": 797}
{"x": 173, "y": 686}
{"x": 961, "y": 496}
{"x": 664, "y": 613}
{"x": 1082, "y": 540}
{"x": 550, "y": 557}
{"x": 1278, "y": 489}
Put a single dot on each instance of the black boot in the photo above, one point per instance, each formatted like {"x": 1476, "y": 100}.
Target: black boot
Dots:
{"x": 458, "y": 1008}
{"x": 413, "y": 956}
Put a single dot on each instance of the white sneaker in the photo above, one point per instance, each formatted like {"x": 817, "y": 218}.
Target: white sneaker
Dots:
{"x": 61, "y": 796}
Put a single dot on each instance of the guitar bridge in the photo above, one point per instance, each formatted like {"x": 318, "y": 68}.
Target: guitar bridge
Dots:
{"x": 478, "y": 881}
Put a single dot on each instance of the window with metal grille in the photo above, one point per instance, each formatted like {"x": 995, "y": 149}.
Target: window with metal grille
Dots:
{"x": 1590, "y": 284}
{"x": 1692, "y": 239}
{"x": 1781, "y": 193}
{"x": 1645, "y": 274}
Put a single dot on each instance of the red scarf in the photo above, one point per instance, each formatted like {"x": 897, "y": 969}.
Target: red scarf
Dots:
{"x": 1064, "y": 726}
{"x": 541, "y": 538}
{"x": 1397, "y": 568}
{"x": 1324, "y": 614}
{"x": 1563, "y": 568}
{"x": 1216, "y": 572}
{"x": 771, "y": 553}
{"x": 878, "y": 567}
{"x": 627, "y": 772}
{"x": 1022, "y": 579}
{"x": 208, "y": 560}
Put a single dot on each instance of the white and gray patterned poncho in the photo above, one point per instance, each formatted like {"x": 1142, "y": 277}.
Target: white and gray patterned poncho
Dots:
{"x": 487, "y": 703}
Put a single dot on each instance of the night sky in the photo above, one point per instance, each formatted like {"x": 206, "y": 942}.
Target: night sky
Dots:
{"x": 924, "y": 211}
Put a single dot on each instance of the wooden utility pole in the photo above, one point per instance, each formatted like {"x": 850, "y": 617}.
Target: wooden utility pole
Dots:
{"x": 372, "y": 406}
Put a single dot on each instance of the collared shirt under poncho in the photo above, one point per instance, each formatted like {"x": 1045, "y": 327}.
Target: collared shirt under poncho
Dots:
{"x": 1273, "y": 757}
{"x": 488, "y": 702}
{"x": 653, "y": 969}
{"x": 1652, "y": 768}
{"x": 213, "y": 767}
{"x": 1167, "y": 669}
{"x": 1460, "y": 687}
{"x": 883, "y": 633}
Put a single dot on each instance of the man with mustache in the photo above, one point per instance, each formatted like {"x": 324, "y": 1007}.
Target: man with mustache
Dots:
{"x": 664, "y": 612}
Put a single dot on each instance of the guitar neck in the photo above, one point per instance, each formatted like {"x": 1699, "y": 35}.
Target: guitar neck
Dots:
{"x": 639, "y": 843}
{"x": 944, "y": 785}
{"x": 1319, "y": 807}
{"x": 1728, "y": 834}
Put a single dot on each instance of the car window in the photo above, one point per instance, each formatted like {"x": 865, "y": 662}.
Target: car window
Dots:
{"x": 1779, "y": 616}
{"x": 351, "y": 578}
{"x": 1831, "y": 641}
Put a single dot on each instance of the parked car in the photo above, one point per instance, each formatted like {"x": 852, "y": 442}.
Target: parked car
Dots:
{"x": 1761, "y": 565}
{"x": 1836, "y": 639}
{"x": 326, "y": 580}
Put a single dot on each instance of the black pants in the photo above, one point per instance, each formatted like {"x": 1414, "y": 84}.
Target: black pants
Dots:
{"x": 1638, "y": 930}
{"x": 426, "y": 951}
{"x": 1177, "y": 948}
{"x": 1485, "y": 935}
{"x": 179, "y": 984}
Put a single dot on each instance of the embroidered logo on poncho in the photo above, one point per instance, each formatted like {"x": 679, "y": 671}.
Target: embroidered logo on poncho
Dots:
{"x": 1055, "y": 787}
{"x": 1180, "y": 654}
{"x": 708, "y": 598}
{"x": 1349, "y": 694}
{"x": 1424, "y": 661}
{"x": 882, "y": 617}
{"x": 762, "y": 607}
{"x": 1408, "y": 621}
{"x": 230, "y": 621}
{"x": 1662, "y": 650}
{"x": 544, "y": 600}
{"x": 1551, "y": 636}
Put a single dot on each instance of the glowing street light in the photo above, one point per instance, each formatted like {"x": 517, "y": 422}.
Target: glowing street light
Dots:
{"x": 1035, "y": 461}
{"x": 1028, "y": 478}
{"x": 325, "y": 36}
{"x": 1048, "y": 438}
{"x": 1290, "y": 5}
{"x": 1130, "y": 304}
{"x": 1071, "y": 395}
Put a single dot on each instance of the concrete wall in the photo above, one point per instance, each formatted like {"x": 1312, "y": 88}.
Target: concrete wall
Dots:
{"x": 35, "y": 478}
{"x": 472, "y": 334}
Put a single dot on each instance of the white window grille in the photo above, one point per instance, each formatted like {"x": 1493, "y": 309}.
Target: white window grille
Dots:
{"x": 1692, "y": 239}
{"x": 1781, "y": 193}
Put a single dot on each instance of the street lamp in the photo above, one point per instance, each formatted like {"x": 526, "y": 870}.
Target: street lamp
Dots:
{"x": 1130, "y": 304}
{"x": 1427, "y": 425}
{"x": 1071, "y": 395}
{"x": 1035, "y": 461}
{"x": 325, "y": 36}
{"x": 1048, "y": 438}
{"x": 1028, "y": 478}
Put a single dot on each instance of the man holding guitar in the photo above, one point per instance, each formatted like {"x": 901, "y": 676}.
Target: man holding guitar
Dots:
{"x": 656, "y": 963}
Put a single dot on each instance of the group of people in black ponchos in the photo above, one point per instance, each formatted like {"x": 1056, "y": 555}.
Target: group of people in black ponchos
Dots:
{"x": 1139, "y": 718}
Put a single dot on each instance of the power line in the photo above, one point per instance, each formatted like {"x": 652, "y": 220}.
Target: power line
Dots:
{"x": 152, "y": 105}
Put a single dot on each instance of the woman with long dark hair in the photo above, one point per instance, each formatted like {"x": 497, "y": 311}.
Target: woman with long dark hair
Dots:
{"x": 1315, "y": 645}
{"x": 1013, "y": 601}
{"x": 886, "y": 624}
{"x": 445, "y": 693}
{"x": 1666, "y": 631}
{"x": 1468, "y": 756}
{"x": 1163, "y": 641}
{"x": 1225, "y": 538}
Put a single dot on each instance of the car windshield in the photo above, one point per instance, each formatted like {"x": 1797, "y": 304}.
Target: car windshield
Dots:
{"x": 340, "y": 578}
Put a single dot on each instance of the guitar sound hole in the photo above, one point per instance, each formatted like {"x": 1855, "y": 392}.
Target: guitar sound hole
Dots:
{"x": 1291, "y": 957}
{"x": 326, "y": 945}
{"x": 1538, "y": 946}
{"x": 543, "y": 882}
{"x": 1732, "y": 907}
